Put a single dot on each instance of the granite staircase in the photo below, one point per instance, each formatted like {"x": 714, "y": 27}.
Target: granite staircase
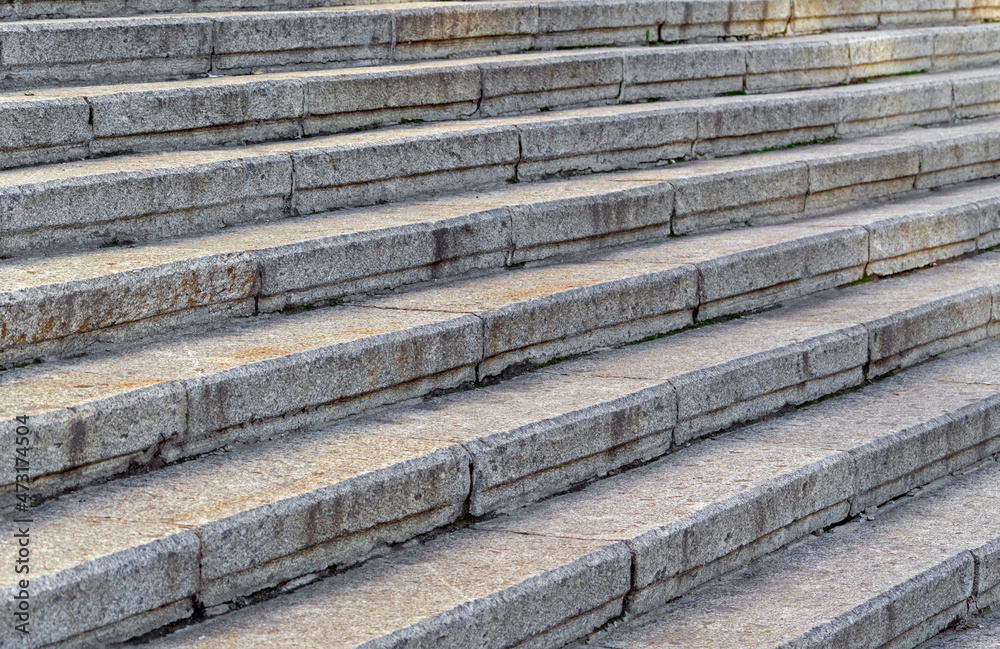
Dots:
{"x": 539, "y": 323}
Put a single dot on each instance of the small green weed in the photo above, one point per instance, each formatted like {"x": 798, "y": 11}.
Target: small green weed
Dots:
{"x": 554, "y": 361}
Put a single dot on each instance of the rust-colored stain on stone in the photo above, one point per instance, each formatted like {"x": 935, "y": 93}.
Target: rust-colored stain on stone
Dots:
{"x": 532, "y": 292}
{"x": 135, "y": 383}
{"x": 46, "y": 331}
{"x": 259, "y": 353}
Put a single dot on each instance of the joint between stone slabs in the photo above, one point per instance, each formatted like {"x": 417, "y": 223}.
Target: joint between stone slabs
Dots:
{"x": 621, "y": 84}
{"x": 482, "y": 89}
{"x": 303, "y": 109}
{"x": 471, "y": 464}
{"x": 482, "y": 350}
{"x": 290, "y": 208}
{"x": 536, "y": 14}
{"x": 211, "y": 50}
{"x": 512, "y": 247}
{"x": 977, "y": 567}
{"x": 520, "y": 156}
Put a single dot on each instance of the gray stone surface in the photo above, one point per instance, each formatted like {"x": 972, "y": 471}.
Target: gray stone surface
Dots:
{"x": 970, "y": 155}
{"x": 457, "y": 590}
{"x": 112, "y": 287}
{"x": 682, "y": 71}
{"x": 351, "y": 170}
{"x": 913, "y": 233}
{"x": 588, "y": 213}
{"x": 142, "y": 197}
{"x": 540, "y": 313}
{"x": 304, "y": 261}
{"x": 890, "y": 53}
{"x": 253, "y": 42}
{"x": 603, "y": 139}
{"x": 713, "y": 193}
{"x": 428, "y": 30}
{"x": 899, "y": 432}
{"x": 775, "y": 66}
{"x": 234, "y": 381}
{"x": 319, "y": 355}
{"x": 721, "y": 372}
{"x": 539, "y": 434}
{"x": 326, "y": 258}
{"x": 686, "y": 20}
{"x": 576, "y": 23}
{"x": 730, "y": 126}
{"x": 33, "y": 132}
{"x": 859, "y": 175}
{"x": 343, "y": 99}
{"x": 966, "y": 45}
{"x": 693, "y": 507}
{"x": 153, "y": 565}
{"x": 862, "y": 585}
{"x": 198, "y": 113}
{"x": 977, "y": 633}
{"x": 111, "y": 49}
{"x": 531, "y": 82}
{"x": 822, "y": 15}
{"x": 364, "y": 169}
{"x": 270, "y": 518}
{"x": 202, "y": 113}
{"x": 893, "y": 103}
{"x": 780, "y": 493}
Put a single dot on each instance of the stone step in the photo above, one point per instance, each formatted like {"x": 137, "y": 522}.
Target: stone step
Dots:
{"x": 81, "y": 302}
{"x": 148, "y": 48}
{"x": 176, "y": 397}
{"x": 975, "y": 633}
{"x": 55, "y": 9}
{"x": 46, "y": 126}
{"x": 799, "y": 15}
{"x": 150, "y": 196}
{"x": 889, "y": 580}
{"x": 563, "y": 567}
{"x": 225, "y": 42}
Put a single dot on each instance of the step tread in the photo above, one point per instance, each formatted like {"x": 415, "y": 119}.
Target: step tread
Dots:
{"x": 844, "y": 586}
{"x": 265, "y": 501}
{"x": 732, "y": 471}
{"x": 658, "y": 284}
{"x": 978, "y": 633}
{"x": 17, "y": 176}
{"x": 322, "y": 258}
{"x": 121, "y": 198}
{"x": 120, "y": 110}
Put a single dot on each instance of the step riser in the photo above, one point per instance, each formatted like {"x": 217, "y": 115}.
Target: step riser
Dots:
{"x": 208, "y": 289}
{"x": 978, "y": 633}
{"x": 47, "y": 9}
{"x": 274, "y": 397}
{"x": 217, "y": 410}
{"x": 90, "y": 206}
{"x": 815, "y": 491}
{"x": 552, "y": 443}
{"x": 930, "y": 585}
{"x": 734, "y": 18}
{"x": 38, "y": 54}
{"x": 93, "y": 125}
